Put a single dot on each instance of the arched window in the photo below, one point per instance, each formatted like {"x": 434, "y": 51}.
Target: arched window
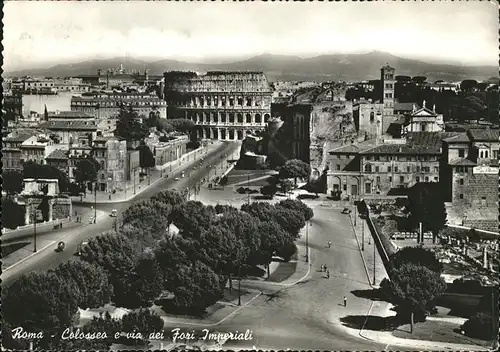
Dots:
{"x": 372, "y": 116}
{"x": 368, "y": 168}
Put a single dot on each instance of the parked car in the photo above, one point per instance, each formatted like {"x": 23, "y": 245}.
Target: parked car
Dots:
{"x": 114, "y": 213}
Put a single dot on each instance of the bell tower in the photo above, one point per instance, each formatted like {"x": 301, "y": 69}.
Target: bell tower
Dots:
{"x": 387, "y": 80}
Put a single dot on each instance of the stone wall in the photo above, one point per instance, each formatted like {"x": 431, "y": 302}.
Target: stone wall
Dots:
{"x": 332, "y": 125}
{"x": 481, "y": 224}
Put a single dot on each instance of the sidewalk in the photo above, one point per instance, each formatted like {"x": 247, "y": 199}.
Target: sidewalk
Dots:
{"x": 370, "y": 255}
{"x": 158, "y": 173}
{"x": 383, "y": 309}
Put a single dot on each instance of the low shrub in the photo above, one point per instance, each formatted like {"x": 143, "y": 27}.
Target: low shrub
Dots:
{"x": 480, "y": 326}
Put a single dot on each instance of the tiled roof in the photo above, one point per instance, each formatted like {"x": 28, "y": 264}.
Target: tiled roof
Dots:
{"x": 459, "y": 138}
{"x": 69, "y": 114}
{"x": 70, "y": 125}
{"x": 20, "y": 136}
{"x": 428, "y": 138}
{"x": 58, "y": 154}
{"x": 403, "y": 149}
{"x": 462, "y": 162}
{"x": 354, "y": 148}
{"x": 404, "y": 106}
{"x": 485, "y": 135}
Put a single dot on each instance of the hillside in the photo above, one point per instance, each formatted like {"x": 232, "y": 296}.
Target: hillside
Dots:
{"x": 348, "y": 67}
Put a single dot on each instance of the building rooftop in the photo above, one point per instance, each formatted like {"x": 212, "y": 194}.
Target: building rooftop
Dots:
{"x": 71, "y": 125}
{"x": 404, "y": 149}
{"x": 69, "y": 114}
{"x": 462, "y": 162}
{"x": 459, "y": 138}
{"x": 58, "y": 154}
{"x": 428, "y": 138}
{"x": 405, "y": 106}
{"x": 354, "y": 147}
{"x": 484, "y": 135}
{"x": 20, "y": 135}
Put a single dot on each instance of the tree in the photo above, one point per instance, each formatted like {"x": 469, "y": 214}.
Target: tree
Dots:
{"x": 418, "y": 256}
{"x": 419, "y": 79}
{"x": 143, "y": 321}
{"x": 146, "y": 157}
{"x": 37, "y": 171}
{"x": 294, "y": 169}
{"x": 146, "y": 283}
{"x": 426, "y": 205}
{"x": 290, "y": 220}
{"x": 413, "y": 290}
{"x": 223, "y": 208}
{"x": 297, "y": 205}
{"x": 192, "y": 216}
{"x": 400, "y": 78}
{"x": 195, "y": 288}
{"x": 91, "y": 280}
{"x": 41, "y": 302}
{"x": 269, "y": 190}
{"x": 12, "y": 182}
{"x": 165, "y": 126}
{"x": 480, "y": 326}
{"x": 261, "y": 210}
{"x": 182, "y": 125}
{"x": 173, "y": 198}
{"x": 13, "y": 214}
{"x": 103, "y": 324}
{"x": 129, "y": 126}
{"x": 468, "y": 85}
{"x": 148, "y": 216}
{"x": 118, "y": 255}
{"x": 272, "y": 239}
{"x": 286, "y": 186}
{"x": 86, "y": 171}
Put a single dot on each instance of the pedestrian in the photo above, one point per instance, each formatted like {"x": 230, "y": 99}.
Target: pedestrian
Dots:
{"x": 76, "y": 213}
{"x": 109, "y": 196}
{"x": 325, "y": 268}
{"x": 329, "y": 244}
{"x": 328, "y": 274}
{"x": 322, "y": 267}
{"x": 345, "y": 301}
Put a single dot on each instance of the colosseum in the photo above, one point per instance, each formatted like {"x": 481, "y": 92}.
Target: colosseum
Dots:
{"x": 224, "y": 105}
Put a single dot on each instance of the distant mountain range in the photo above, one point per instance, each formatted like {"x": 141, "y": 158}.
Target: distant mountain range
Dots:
{"x": 348, "y": 67}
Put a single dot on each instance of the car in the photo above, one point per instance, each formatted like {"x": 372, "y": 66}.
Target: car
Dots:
{"x": 114, "y": 213}
{"x": 80, "y": 246}
{"x": 177, "y": 179}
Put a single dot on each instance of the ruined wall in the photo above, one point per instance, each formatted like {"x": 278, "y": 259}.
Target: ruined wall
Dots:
{"x": 332, "y": 125}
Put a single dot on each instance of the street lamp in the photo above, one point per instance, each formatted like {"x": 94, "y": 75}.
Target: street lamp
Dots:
{"x": 309, "y": 223}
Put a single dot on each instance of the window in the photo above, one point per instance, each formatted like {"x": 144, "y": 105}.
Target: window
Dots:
{"x": 372, "y": 116}
{"x": 377, "y": 158}
{"x": 486, "y": 154}
{"x": 461, "y": 153}
{"x": 481, "y": 154}
{"x": 395, "y": 169}
{"x": 417, "y": 179}
{"x": 389, "y": 169}
{"x": 390, "y": 178}
{"x": 338, "y": 167}
{"x": 426, "y": 178}
{"x": 436, "y": 179}
{"x": 461, "y": 196}
{"x": 378, "y": 179}
{"x": 368, "y": 168}
{"x": 401, "y": 179}
{"x": 368, "y": 188}
{"x": 377, "y": 169}
{"x": 461, "y": 182}
{"x": 345, "y": 187}
{"x": 408, "y": 169}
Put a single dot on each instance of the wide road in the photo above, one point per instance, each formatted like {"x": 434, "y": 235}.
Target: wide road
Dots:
{"x": 307, "y": 316}
{"x": 48, "y": 258}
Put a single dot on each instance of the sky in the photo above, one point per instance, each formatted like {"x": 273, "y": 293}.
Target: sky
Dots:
{"x": 43, "y": 33}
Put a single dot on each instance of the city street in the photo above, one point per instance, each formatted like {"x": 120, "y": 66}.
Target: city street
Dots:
{"x": 48, "y": 258}
{"x": 307, "y": 315}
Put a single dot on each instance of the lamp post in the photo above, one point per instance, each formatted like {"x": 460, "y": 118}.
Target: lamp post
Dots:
{"x": 239, "y": 284}
{"x": 363, "y": 235}
{"x": 309, "y": 223}
{"x": 135, "y": 171}
{"x": 33, "y": 215}
{"x": 374, "y": 261}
